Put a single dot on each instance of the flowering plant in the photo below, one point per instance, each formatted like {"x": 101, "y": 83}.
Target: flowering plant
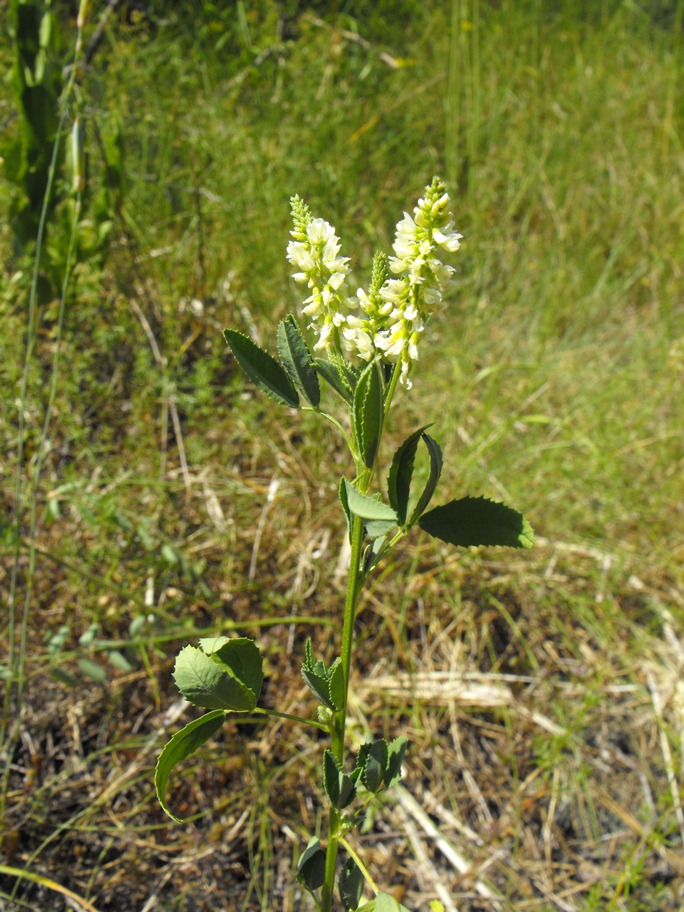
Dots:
{"x": 365, "y": 346}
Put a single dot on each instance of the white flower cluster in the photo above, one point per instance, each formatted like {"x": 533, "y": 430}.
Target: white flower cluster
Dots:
{"x": 315, "y": 251}
{"x": 394, "y": 311}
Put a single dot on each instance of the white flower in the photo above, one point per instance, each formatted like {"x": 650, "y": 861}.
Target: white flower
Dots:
{"x": 315, "y": 252}
{"x": 423, "y": 278}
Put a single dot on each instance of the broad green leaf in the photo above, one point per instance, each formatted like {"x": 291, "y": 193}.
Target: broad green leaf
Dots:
{"x": 435, "y": 454}
{"x": 368, "y": 508}
{"x": 474, "y": 521}
{"x": 240, "y": 656}
{"x": 311, "y": 866}
{"x": 297, "y": 361}
{"x": 184, "y": 743}
{"x": 336, "y": 378}
{"x": 368, "y": 413}
{"x": 263, "y": 370}
{"x": 401, "y": 473}
{"x": 206, "y": 683}
{"x": 351, "y": 885}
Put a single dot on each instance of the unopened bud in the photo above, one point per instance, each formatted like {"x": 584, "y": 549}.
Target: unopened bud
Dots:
{"x": 78, "y": 156}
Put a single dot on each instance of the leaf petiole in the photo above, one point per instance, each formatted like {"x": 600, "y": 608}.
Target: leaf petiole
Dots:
{"x": 292, "y": 718}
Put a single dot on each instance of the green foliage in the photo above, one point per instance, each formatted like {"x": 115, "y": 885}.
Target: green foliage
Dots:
{"x": 297, "y": 361}
{"x": 262, "y": 369}
{"x": 473, "y": 521}
{"x": 222, "y": 674}
{"x": 182, "y": 745}
{"x": 351, "y": 885}
{"x": 311, "y": 866}
{"x": 37, "y": 86}
{"x": 367, "y": 414}
{"x": 326, "y": 684}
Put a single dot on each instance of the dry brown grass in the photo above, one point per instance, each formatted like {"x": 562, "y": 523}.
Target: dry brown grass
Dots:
{"x": 543, "y": 772}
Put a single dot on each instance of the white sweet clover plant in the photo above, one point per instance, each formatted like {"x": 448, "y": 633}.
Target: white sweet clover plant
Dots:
{"x": 363, "y": 347}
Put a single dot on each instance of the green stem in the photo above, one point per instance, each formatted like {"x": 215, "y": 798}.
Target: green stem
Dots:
{"x": 353, "y": 589}
{"x": 291, "y": 717}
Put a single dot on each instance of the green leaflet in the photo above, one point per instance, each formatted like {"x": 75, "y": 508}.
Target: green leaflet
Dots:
{"x": 473, "y": 521}
{"x": 435, "y": 454}
{"x": 184, "y": 743}
{"x": 383, "y": 902}
{"x": 339, "y": 787}
{"x": 368, "y": 413}
{"x": 326, "y": 684}
{"x": 401, "y": 473}
{"x": 311, "y": 866}
{"x": 339, "y": 377}
{"x": 229, "y": 679}
{"x": 263, "y": 370}
{"x": 297, "y": 361}
{"x": 351, "y": 885}
{"x": 368, "y": 508}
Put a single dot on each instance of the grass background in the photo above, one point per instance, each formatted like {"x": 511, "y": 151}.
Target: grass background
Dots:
{"x": 541, "y": 693}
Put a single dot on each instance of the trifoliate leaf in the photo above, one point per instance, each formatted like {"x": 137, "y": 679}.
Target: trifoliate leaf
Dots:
{"x": 184, "y": 743}
{"x": 474, "y": 521}
{"x": 263, "y": 370}
{"x": 326, "y": 684}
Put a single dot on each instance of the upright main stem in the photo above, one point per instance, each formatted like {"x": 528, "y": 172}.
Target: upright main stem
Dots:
{"x": 340, "y": 718}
